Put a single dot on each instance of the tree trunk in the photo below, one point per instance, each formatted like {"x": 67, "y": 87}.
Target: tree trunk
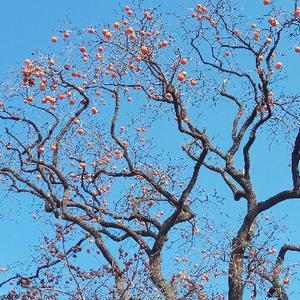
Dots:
{"x": 155, "y": 273}
{"x": 236, "y": 269}
{"x": 121, "y": 289}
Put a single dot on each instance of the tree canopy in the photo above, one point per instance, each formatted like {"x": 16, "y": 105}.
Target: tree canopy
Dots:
{"x": 144, "y": 142}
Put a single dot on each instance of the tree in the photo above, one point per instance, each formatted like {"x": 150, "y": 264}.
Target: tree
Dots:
{"x": 86, "y": 141}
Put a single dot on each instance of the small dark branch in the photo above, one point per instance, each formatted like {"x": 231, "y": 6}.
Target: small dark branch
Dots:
{"x": 224, "y": 70}
{"x": 286, "y": 24}
{"x": 112, "y": 174}
{"x": 119, "y": 279}
{"x": 238, "y": 115}
{"x": 295, "y": 163}
{"x": 44, "y": 266}
{"x": 195, "y": 174}
{"x": 135, "y": 235}
{"x": 283, "y": 251}
{"x": 277, "y": 290}
{"x": 246, "y": 45}
{"x": 55, "y": 170}
{"x": 8, "y": 280}
{"x": 18, "y": 142}
{"x": 178, "y": 214}
{"x": 67, "y": 126}
{"x": 140, "y": 217}
{"x": 234, "y": 148}
{"x": 18, "y": 153}
{"x": 272, "y": 201}
{"x": 13, "y": 117}
{"x": 116, "y": 238}
{"x": 237, "y": 194}
{"x": 250, "y": 142}
{"x": 38, "y": 191}
{"x": 131, "y": 166}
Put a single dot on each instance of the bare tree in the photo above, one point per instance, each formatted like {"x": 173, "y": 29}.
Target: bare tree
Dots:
{"x": 114, "y": 135}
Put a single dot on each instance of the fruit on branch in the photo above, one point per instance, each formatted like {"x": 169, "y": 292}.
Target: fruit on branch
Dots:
{"x": 278, "y": 65}
{"x": 80, "y": 131}
{"x": 72, "y": 101}
{"x": 268, "y": 40}
{"x": 186, "y": 120}
{"x": 163, "y": 44}
{"x": 205, "y": 277}
{"x": 29, "y": 99}
{"x": 193, "y": 82}
{"x": 94, "y": 110}
{"x": 286, "y": 280}
{"x": 148, "y": 16}
{"x": 82, "y": 49}
{"x": 258, "y": 108}
{"x": 51, "y": 62}
{"x": 27, "y": 62}
{"x": 181, "y": 76}
{"x": 138, "y": 58}
{"x": 41, "y": 150}
{"x": 76, "y": 121}
{"x": 273, "y": 22}
{"x": 201, "y": 8}
{"x": 183, "y": 61}
{"x": 130, "y": 13}
{"x": 297, "y": 12}
{"x": 144, "y": 50}
{"x": 129, "y": 30}
{"x": 66, "y": 34}
{"x": 117, "y": 25}
{"x": 256, "y": 35}
{"x": 91, "y": 30}
{"x": 260, "y": 57}
{"x": 108, "y": 35}
{"x": 272, "y": 251}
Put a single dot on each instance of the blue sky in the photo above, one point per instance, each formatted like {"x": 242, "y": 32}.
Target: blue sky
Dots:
{"x": 27, "y": 26}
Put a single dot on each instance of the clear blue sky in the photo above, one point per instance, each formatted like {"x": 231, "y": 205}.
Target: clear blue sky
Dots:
{"x": 28, "y": 25}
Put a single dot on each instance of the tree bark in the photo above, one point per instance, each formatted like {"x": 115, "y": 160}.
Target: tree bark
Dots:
{"x": 155, "y": 273}
{"x": 235, "y": 282}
